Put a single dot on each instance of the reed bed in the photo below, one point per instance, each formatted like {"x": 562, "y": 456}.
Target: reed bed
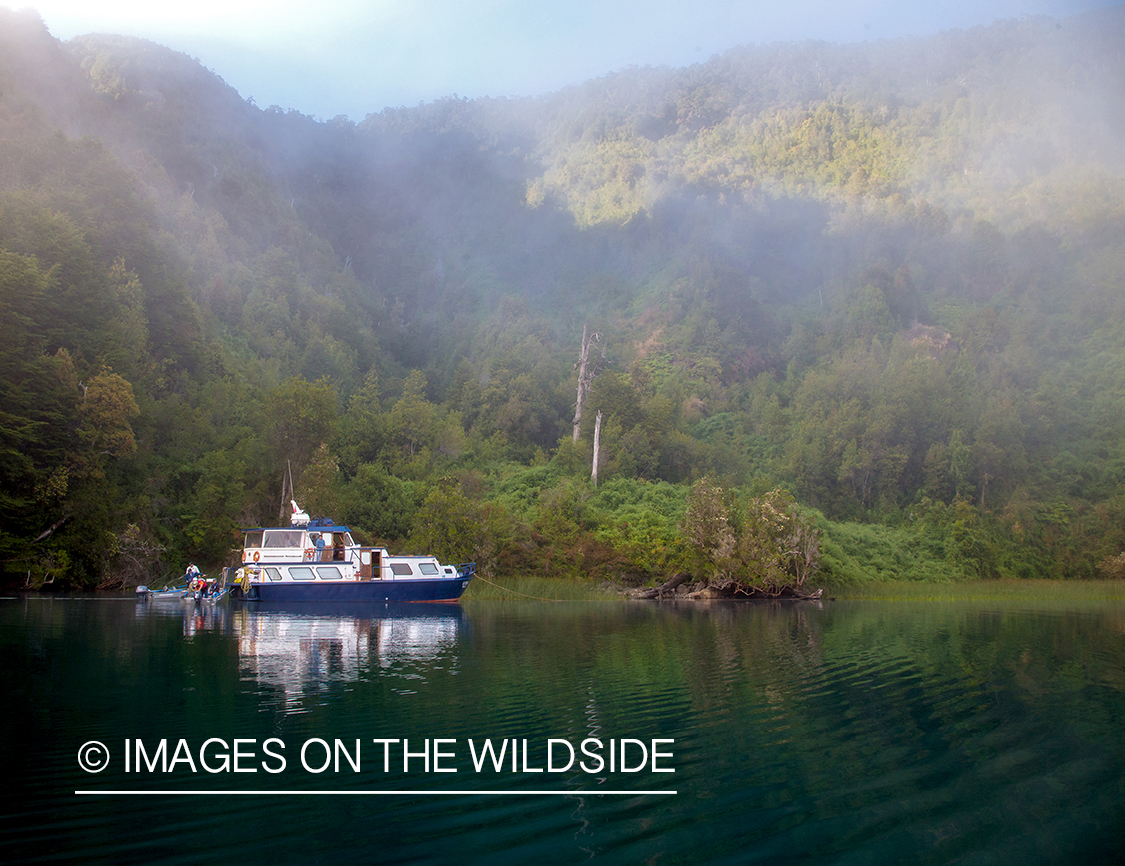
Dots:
{"x": 987, "y": 590}
{"x": 535, "y": 588}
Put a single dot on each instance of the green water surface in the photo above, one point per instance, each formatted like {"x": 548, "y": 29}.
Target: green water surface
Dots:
{"x": 861, "y": 731}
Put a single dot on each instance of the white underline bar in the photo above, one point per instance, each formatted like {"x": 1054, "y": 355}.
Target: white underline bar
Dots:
{"x": 376, "y": 793}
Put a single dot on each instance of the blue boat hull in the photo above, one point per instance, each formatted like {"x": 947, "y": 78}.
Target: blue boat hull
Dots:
{"x": 443, "y": 612}
{"x": 439, "y": 589}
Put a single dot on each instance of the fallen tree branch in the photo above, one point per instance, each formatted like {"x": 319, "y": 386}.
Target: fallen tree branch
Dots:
{"x": 47, "y": 532}
{"x": 726, "y": 589}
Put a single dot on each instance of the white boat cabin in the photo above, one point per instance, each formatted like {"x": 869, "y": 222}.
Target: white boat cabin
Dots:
{"x": 329, "y": 553}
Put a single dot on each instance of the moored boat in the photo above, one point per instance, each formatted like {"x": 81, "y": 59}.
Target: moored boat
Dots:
{"x": 319, "y": 561}
{"x": 179, "y": 593}
{"x": 196, "y": 590}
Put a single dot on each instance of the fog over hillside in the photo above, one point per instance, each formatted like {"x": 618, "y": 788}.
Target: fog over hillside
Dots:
{"x": 886, "y": 276}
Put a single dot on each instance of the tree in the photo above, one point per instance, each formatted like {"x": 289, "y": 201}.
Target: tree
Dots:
{"x": 301, "y": 415}
{"x": 105, "y": 410}
{"x": 378, "y": 503}
{"x": 586, "y": 374}
{"x": 364, "y": 425}
{"x": 319, "y": 483}
{"x": 777, "y": 547}
{"x": 413, "y": 417}
{"x": 455, "y": 528}
{"x": 774, "y": 547}
{"x": 597, "y": 448}
{"x": 22, "y": 375}
{"x": 127, "y": 332}
{"x": 706, "y": 528}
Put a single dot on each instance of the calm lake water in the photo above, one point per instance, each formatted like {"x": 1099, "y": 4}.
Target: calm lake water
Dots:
{"x": 847, "y": 732}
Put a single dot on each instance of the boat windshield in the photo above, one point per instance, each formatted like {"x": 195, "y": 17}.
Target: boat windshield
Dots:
{"x": 283, "y": 538}
{"x": 254, "y": 539}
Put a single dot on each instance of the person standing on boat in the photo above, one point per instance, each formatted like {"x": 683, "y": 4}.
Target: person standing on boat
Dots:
{"x": 196, "y": 582}
{"x": 319, "y": 547}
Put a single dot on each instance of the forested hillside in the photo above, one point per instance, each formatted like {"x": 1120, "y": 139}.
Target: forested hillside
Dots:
{"x": 887, "y": 277}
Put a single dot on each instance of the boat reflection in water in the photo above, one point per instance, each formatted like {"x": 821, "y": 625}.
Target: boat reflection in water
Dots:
{"x": 197, "y": 615}
{"x": 310, "y": 645}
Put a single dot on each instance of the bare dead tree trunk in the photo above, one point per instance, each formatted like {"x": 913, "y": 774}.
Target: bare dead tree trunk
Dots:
{"x": 586, "y": 374}
{"x": 597, "y": 446}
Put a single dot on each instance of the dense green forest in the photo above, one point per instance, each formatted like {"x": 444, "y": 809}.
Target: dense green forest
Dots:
{"x": 888, "y": 278}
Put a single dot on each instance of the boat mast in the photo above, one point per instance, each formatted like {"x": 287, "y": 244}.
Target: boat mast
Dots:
{"x": 286, "y": 491}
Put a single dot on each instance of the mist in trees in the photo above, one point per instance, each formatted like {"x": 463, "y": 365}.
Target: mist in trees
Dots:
{"x": 884, "y": 278}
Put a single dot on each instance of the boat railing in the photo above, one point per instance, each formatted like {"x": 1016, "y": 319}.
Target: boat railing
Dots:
{"x": 466, "y": 569}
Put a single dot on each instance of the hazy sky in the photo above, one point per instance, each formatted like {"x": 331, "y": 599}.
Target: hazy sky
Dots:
{"x": 354, "y": 57}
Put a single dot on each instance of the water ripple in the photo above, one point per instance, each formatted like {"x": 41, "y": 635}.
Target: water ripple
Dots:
{"x": 849, "y": 734}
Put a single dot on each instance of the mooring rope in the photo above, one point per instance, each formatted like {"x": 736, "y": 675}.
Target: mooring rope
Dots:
{"x": 516, "y": 591}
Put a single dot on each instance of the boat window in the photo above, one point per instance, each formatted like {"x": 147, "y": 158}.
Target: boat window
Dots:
{"x": 401, "y": 569}
{"x": 328, "y": 572}
{"x": 254, "y": 539}
{"x": 427, "y": 568}
{"x": 273, "y": 574}
{"x": 301, "y": 572}
{"x": 283, "y": 538}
